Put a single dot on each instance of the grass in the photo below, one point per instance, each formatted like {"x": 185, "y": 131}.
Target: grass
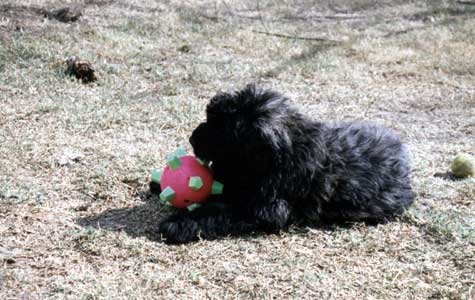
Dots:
{"x": 75, "y": 218}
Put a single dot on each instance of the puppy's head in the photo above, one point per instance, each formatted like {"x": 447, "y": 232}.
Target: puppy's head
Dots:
{"x": 246, "y": 127}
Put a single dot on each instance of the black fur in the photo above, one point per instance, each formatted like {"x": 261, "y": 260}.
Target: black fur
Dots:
{"x": 279, "y": 167}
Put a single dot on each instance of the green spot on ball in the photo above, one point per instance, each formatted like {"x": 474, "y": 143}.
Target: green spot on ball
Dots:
{"x": 193, "y": 206}
{"x": 173, "y": 162}
{"x": 202, "y": 162}
{"x": 216, "y": 188}
{"x": 167, "y": 194}
{"x": 156, "y": 176}
{"x": 195, "y": 183}
{"x": 180, "y": 152}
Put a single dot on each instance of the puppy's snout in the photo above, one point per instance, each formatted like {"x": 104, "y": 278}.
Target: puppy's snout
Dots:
{"x": 192, "y": 140}
{"x": 195, "y": 135}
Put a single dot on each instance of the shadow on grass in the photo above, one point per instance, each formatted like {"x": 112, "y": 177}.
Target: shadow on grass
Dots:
{"x": 447, "y": 176}
{"x": 137, "y": 221}
{"x": 142, "y": 221}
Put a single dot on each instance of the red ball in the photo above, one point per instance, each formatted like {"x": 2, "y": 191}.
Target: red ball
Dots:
{"x": 179, "y": 181}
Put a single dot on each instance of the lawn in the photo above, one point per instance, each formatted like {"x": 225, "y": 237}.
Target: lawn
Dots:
{"x": 76, "y": 218}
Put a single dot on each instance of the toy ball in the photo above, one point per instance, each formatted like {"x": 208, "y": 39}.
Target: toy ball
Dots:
{"x": 463, "y": 165}
{"x": 186, "y": 181}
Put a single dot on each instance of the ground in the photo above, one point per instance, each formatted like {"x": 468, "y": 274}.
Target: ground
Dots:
{"x": 75, "y": 216}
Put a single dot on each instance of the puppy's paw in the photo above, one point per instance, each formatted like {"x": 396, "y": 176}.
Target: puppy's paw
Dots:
{"x": 179, "y": 231}
{"x": 273, "y": 216}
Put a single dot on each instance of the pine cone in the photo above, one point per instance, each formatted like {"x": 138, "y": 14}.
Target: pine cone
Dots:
{"x": 82, "y": 69}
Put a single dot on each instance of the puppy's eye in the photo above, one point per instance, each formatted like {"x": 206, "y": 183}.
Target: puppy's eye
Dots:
{"x": 214, "y": 119}
{"x": 210, "y": 116}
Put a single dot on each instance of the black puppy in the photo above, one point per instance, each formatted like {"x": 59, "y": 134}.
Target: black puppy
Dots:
{"x": 279, "y": 167}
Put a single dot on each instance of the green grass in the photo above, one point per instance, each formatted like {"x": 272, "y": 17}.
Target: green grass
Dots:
{"x": 75, "y": 159}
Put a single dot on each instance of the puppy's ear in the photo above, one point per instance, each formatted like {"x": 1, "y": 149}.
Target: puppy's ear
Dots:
{"x": 276, "y": 136}
{"x": 221, "y": 103}
{"x": 273, "y": 145}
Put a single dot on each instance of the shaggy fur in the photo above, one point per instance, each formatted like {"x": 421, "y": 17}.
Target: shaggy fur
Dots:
{"x": 279, "y": 167}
